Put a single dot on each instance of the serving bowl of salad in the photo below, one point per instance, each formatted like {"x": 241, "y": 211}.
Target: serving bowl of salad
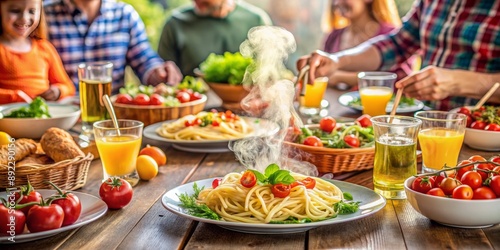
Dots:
{"x": 483, "y": 127}
{"x": 23, "y": 120}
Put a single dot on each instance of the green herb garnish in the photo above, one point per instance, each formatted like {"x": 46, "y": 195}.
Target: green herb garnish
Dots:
{"x": 273, "y": 175}
{"x": 228, "y": 68}
{"x": 346, "y": 206}
{"x": 193, "y": 208}
{"x": 36, "y": 109}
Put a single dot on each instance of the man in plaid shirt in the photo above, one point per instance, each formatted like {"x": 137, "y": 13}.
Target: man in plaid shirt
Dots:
{"x": 105, "y": 30}
{"x": 459, "y": 42}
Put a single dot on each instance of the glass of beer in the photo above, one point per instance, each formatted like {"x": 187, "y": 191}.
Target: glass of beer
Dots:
{"x": 375, "y": 91}
{"x": 94, "y": 82}
{"x": 395, "y": 153}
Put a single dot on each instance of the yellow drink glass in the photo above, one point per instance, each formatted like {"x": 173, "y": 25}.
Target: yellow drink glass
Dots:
{"x": 375, "y": 91}
{"x": 310, "y": 104}
{"x": 119, "y": 151}
{"x": 441, "y": 138}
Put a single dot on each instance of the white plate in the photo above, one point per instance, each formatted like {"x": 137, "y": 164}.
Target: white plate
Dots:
{"x": 92, "y": 209}
{"x": 261, "y": 127}
{"x": 344, "y": 100}
{"x": 371, "y": 202}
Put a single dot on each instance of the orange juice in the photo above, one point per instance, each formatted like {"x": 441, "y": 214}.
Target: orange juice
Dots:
{"x": 314, "y": 93}
{"x": 374, "y": 99}
{"x": 118, "y": 154}
{"x": 440, "y": 146}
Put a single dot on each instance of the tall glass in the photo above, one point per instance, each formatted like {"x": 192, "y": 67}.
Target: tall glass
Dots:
{"x": 310, "y": 103}
{"x": 441, "y": 138}
{"x": 375, "y": 91}
{"x": 94, "y": 82}
{"x": 119, "y": 149}
{"x": 395, "y": 153}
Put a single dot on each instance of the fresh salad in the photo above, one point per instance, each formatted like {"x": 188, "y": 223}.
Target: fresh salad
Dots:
{"x": 227, "y": 68}
{"x": 36, "y": 109}
{"x": 483, "y": 118}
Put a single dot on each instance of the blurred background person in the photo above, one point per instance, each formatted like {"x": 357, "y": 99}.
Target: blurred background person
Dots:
{"x": 207, "y": 26}
{"x": 105, "y": 30}
{"x": 352, "y": 22}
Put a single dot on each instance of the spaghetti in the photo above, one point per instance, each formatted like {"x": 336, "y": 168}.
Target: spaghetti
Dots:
{"x": 206, "y": 126}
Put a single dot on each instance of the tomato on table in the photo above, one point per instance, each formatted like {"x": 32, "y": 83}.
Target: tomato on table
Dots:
{"x": 44, "y": 217}
{"x": 116, "y": 192}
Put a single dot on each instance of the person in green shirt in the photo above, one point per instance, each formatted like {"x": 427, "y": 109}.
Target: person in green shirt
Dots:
{"x": 209, "y": 26}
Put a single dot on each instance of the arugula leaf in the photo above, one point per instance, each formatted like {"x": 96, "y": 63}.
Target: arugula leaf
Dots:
{"x": 193, "y": 208}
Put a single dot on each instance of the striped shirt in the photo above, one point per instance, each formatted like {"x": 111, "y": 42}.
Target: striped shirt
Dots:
{"x": 453, "y": 34}
{"x": 117, "y": 35}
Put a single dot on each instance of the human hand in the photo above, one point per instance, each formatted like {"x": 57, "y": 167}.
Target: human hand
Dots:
{"x": 320, "y": 63}
{"x": 169, "y": 74}
{"x": 430, "y": 83}
{"x": 52, "y": 94}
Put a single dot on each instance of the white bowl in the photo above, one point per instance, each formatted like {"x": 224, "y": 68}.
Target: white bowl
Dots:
{"x": 63, "y": 116}
{"x": 481, "y": 139}
{"x": 454, "y": 212}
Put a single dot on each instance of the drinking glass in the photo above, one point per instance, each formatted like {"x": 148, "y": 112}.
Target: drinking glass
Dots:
{"x": 395, "y": 153}
{"x": 310, "y": 103}
{"x": 94, "y": 82}
{"x": 441, "y": 138}
{"x": 375, "y": 91}
{"x": 119, "y": 148}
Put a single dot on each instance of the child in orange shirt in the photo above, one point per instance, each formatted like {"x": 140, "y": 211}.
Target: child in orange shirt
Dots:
{"x": 29, "y": 64}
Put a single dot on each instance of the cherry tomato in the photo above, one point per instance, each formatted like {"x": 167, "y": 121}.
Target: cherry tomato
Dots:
{"x": 309, "y": 182}
{"x": 478, "y": 125}
{"x": 463, "y": 192}
{"x": 492, "y": 127}
{"x": 156, "y": 99}
{"x": 11, "y": 223}
{"x": 468, "y": 121}
{"x": 462, "y": 171}
{"x": 437, "y": 180}
{"x": 327, "y": 124}
{"x": 364, "y": 121}
{"x": 215, "y": 123}
{"x": 124, "y": 99}
{"x": 195, "y": 96}
{"x": 280, "y": 190}
{"x": 495, "y": 184}
{"x": 183, "y": 96}
{"x": 436, "y": 192}
{"x": 351, "y": 141}
{"x": 44, "y": 217}
{"x": 71, "y": 207}
{"x": 313, "y": 141}
{"x": 496, "y": 171}
{"x": 216, "y": 182}
{"x": 141, "y": 99}
{"x": 473, "y": 179}
{"x": 422, "y": 184}
{"x": 29, "y": 195}
{"x": 248, "y": 179}
{"x": 483, "y": 193}
{"x": 116, "y": 192}
{"x": 464, "y": 110}
{"x": 156, "y": 153}
{"x": 495, "y": 158}
{"x": 476, "y": 114}
{"x": 449, "y": 184}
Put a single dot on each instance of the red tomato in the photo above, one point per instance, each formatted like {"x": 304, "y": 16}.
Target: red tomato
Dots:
{"x": 492, "y": 127}
{"x": 44, "y": 217}
{"x": 495, "y": 158}
{"x": 327, "y": 124}
{"x": 462, "y": 171}
{"x": 478, "y": 125}
{"x": 496, "y": 171}
{"x": 116, "y": 192}
{"x": 280, "y": 190}
{"x": 29, "y": 195}
{"x": 476, "y": 114}
{"x": 364, "y": 121}
{"x": 437, "y": 180}
{"x": 216, "y": 182}
{"x": 468, "y": 122}
{"x": 309, "y": 182}
{"x": 483, "y": 193}
{"x": 473, "y": 179}
{"x": 449, "y": 184}
{"x": 495, "y": 184}
{"x": 183, "y": 96}
{"x": 71, "y": 207}
{"x": 248, "y": 179}
{"x": 351, "y": 141}
{"x": 464, "y": 110}
{"x": 156, "y": 153}
{"x": 156, "y": 99}
{"x": 313, "y": 141}
{"x": 141, "y": 99}
{"x": 436, "y": 192}
{"x": 124, "y": 99}
{"x": 422, "y": 184}
{"x": 463, "y": 192}
{"x": 195, "y": 96}
{"x": 15, "y": 219}
{"x": 215, "y": 123}
{"x": 475, "y": 158}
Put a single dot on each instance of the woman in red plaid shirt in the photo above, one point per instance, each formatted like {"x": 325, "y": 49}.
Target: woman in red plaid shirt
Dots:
{"x": 459, "y": 44}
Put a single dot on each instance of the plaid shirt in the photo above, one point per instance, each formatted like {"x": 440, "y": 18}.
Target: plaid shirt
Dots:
{"x": 453, "y": 34}
{"x": 117, "y": 35}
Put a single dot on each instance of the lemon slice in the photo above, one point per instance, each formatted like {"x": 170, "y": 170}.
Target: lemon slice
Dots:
{"x": 5, "y": 138}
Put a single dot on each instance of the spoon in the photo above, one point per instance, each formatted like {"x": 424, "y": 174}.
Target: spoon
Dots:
{"x": 111, "y": 111}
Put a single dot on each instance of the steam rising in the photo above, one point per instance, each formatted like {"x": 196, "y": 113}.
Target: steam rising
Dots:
{"x": 269, "y": 47}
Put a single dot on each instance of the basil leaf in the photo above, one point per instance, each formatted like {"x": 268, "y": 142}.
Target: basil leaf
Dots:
{"x": 261, "y": 179}
{"x": 271, "y": 169}
{"x": 348, "y": 196}
{"x": 281, "y": 176}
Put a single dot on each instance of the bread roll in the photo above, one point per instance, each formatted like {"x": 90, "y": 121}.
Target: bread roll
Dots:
{"x": 38, "y": 159}
{"x": 59, "y": 145}
{"x": 20, "y": 149}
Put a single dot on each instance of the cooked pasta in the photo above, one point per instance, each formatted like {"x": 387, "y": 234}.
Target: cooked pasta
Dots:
{"x": 206, "y": 126}
{"x": 234, "y": 202}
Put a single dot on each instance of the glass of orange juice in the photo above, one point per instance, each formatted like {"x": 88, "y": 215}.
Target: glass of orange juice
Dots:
{"x": 310, "y": 104}
{"x": 375, "y": 91}
{"x": 440, "y": 138}
{"x": 119, "y": 148}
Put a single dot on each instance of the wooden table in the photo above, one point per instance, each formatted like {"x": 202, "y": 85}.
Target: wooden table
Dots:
{"x": 145, "y": 224}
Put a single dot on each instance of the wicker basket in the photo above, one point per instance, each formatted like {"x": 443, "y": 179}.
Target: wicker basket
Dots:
{"x": 333, "y": 160}
{"x": 153, "y": 114}
{"x": 67, "y": 175}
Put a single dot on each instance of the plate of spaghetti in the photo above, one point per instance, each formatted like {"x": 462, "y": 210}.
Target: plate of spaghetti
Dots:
{"x": 231, "y": 203}
{"x": 208, "y": 132}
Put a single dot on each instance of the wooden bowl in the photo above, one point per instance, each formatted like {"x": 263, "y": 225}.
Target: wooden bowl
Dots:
{"x": 153, "y": 114}
{"x": 229, "y": 93}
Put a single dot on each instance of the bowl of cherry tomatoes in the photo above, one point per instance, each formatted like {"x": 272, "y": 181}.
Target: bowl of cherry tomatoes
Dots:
{"x": 483, "y": 127}
{"x": 160, "y": 103}
{"x": 472, "y": 188}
